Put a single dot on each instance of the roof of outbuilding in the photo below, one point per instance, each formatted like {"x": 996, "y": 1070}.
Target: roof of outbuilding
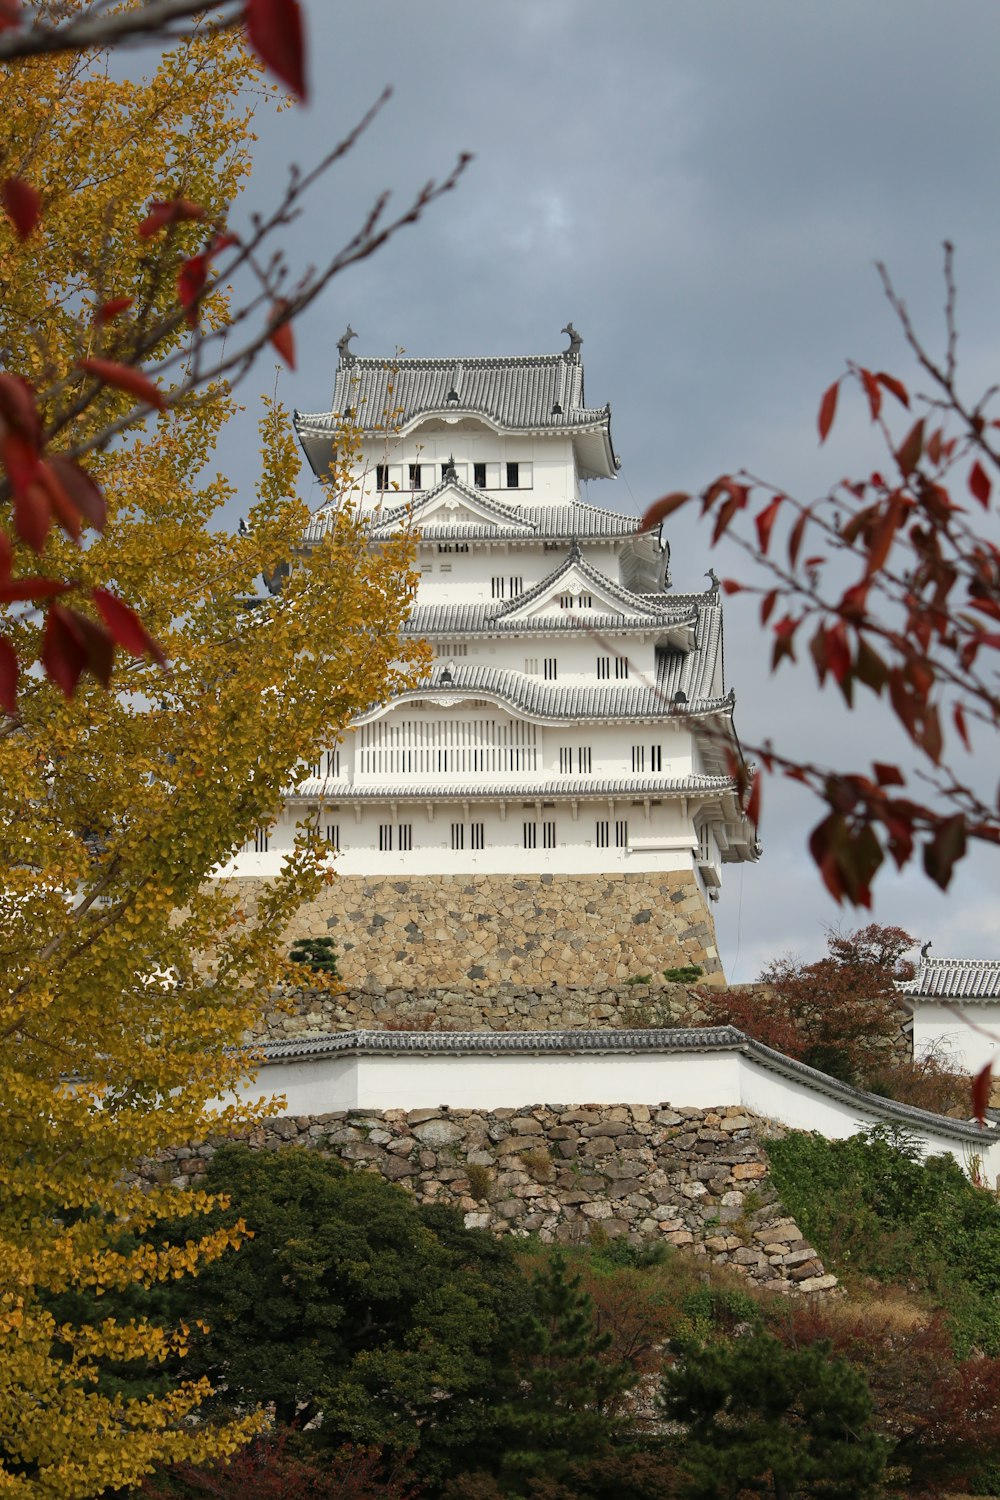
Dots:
{"x": 955, "y": 979}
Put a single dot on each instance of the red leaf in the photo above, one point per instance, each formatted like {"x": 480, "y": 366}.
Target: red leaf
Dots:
{"x": 945, "y": 849}
{"x": 84, "y": 493}
{"x": 894, "y": 386}
{"x": 909, "y": 451}
{"x": 32, "y": 514}
{"x": 730, "y": 586}
{"x": 887, "y": 775}
{"x": 274, "y": 31}
{"x": 168, "y": 211}
{"x": 281, "y": 336}
{"x": 9, "y": 672}
{"x": 979, "y": 484}
{"x": 63, "y": 653}
{"x": 108, "y": 311}
{"x": 19, "y": 456}
{"x": 765, "y": 522}
{"x": 958, "y": 714}
{"x": 795, "y": 539}
{"x": 10, "y": 14}
{"x": 6, "y": 556}
{"x": 828, "y": 410}
{"x": 99, "y": 646}
{"x": 767, "y": 605}
{"x": 838, "y": 652}
{"x": 872, "y": 392}
{"x": 981, "y": 1086}
{"x": 125, "y": 378}
{"x": 126, "y": 627}
{"x": 662, "y": 508}
{"x": 753, "y": 802}
{"x": 191, "y": 280}
{"x": 16, "y": 590}
{"x": 22, "y": 205}
{"x": 17, "y": 406}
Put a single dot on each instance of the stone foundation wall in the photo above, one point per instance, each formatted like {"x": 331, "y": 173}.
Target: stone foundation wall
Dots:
{"x": 476, "y": 1007}
{"x": 434, "y": 930}
{"x": 697, "y": 1179}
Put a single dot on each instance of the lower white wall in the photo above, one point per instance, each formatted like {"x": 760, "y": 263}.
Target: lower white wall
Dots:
{"x": 685, "y": 1078}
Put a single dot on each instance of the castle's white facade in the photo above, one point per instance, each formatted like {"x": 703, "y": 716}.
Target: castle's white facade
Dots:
{"x": 576, "y": 719}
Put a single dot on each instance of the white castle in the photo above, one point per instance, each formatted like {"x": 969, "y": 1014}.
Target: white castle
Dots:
{"x": 576, "y": 720}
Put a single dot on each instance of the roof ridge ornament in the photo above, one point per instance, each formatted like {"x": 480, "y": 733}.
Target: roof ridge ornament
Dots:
{"x": 575, "y": 342}
{"x": 450, "y": 472}
{"x": 344, "y": 354}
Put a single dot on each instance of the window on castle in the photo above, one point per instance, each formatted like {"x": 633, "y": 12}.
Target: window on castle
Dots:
{"x": 549, "y": 833}
{"x": 550, "y": 669}
{"x": 479, "y": 476}
{"x": 333, "y": 835}
{"x": 333, "y": 762}
{"x": 415, "y": 472}
{"x": 656, "y": 757}
{"x": 565, "y": 601}
{"x": 513, "y": 473}
{"x": 704, "y": 845}
{"x": 604, "y": 666}
{"x": 638, "y": 757}
{"x": 516, "y": 587}
{"x": 565, "y": 760}
{"x": 261, "y": 839}
{"x": 531, "y": 666}
{"x": 603, "y": 833}
{"x": 444, "y": 567}
{"x": 621, "y": 666}
{"x": 585, "y": 601}
{"x": 621, "y": 833}
{"x": 498, "y": 587}
{"x": 458, "y": 835}
{"x": 405, "y": 831}
{"x": 381, "y": 476}
{"x": 385, "y": 837}
{"x": 477, "y": 835}
{"x": 530, "y": 831}
{"x": 584, "y": 759}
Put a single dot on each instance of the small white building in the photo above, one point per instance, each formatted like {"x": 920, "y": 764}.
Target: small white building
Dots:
{"x": 956, "y": 1011}
{"x": 577, "y": 718}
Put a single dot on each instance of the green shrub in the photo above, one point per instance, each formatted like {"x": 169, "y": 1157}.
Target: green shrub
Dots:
{"x": 684, "y": 974}
{"x": 318, "y": 954}
{"x": 870, "y": 1206}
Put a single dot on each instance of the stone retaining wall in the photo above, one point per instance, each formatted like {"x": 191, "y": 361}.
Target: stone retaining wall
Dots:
{"x": 694, "y": 1178}
{"x": 475, "y": 1007}
{"x": 434, "y": 930}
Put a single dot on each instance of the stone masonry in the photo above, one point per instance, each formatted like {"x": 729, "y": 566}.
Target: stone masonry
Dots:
{"x": 437, "y": 930}
{"x": 693, "y": 1178}
{"x": 476, "y": 1006}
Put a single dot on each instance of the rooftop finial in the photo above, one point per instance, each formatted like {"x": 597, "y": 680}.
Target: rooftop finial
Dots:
{"x": 926, "y": 949}
{"x": 343, "y": 346}
{"x": 575, "y": 341}
{"x": 450, "y": 472}
{"x": 713, "y": 579}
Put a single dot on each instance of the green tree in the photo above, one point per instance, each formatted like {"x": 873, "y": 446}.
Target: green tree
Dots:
{"x": 353, "y": 1301}
{"x": 564, "y": 1391}
{"x": 764, "y": 1419}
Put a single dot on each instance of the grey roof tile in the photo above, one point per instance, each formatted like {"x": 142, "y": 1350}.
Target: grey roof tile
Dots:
{"x": 561, "y": 787}
{"x": 531, "y": 522}
{"x": 956, "y": 979}
{"x": 516, "y": 393}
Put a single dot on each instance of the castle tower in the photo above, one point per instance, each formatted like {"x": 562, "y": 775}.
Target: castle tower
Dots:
{"x": 554, "y": 803}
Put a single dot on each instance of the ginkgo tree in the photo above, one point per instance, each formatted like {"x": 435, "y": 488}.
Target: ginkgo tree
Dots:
{"x": 130, "y": 973}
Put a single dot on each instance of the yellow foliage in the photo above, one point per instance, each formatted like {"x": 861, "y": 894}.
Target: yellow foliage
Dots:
{"x": 129, "y": 976}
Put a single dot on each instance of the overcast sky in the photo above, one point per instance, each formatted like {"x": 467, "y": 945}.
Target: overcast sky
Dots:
{"x": 703, "y": 188}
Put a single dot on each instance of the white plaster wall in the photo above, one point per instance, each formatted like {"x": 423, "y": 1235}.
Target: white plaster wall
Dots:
{"x": 964, "y": 1036}
{"x": 552, "y": 479}
{"x": 678, "y": 1079}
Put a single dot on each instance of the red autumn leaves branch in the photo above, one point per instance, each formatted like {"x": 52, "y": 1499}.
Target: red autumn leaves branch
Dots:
{"x": 916, "y": 625}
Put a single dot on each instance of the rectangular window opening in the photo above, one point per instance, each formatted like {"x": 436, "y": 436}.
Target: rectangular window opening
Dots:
{"x": 513, "y": 471}
{"x": 458, "y": 835}
{"x": 479, "y": 476}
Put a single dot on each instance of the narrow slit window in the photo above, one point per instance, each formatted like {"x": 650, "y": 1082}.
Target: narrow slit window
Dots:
{"x": 603, "y": 833}
{"x": 621, "y": 833}
{"x": 656, "y": 757}
{"x": 477, "y": 835}
{"x": 530, "y": 831}
{"x": 551, "y": 671}
{"x": 584, "y": 759}
{"x": 604, "y": 667}
{"x": 333, "y": 835}
{"x": 565, "y": 760}
{"x": 621, "y": 666}
{"x": 406, "y": 835}
{"x": 513, "y": 473}
{"x": 549, "y": 833}
{"x": 498, "y": 587}
{"x": 458, "y": 835}
{"x": 385, "y": 837}
{"x": 638, "y": 757}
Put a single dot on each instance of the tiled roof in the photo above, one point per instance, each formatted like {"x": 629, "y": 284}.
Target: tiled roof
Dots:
{"x": 476, "y": 619}
{"x": 531, "y": 522}
{"x": 956, "y": 979}
{"x": 526, "y": 392}
{"x": 668, "y": 1039}
{"x": 649, "y": 605}
{"x": 561, "y": 787}
{"x": 686, "y": 671}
